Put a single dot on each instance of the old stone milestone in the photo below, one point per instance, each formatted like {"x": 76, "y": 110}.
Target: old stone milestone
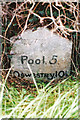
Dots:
{"x": 46, "y": 54}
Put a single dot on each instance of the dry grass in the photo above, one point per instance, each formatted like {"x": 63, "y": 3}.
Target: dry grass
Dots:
{"x": 59, "y": 101}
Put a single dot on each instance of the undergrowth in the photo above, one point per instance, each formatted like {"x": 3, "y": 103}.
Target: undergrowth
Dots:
{"x": 52, "y": 101}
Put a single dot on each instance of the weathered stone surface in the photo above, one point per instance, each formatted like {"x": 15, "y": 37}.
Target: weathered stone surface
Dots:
{"x": 44, "y": 51}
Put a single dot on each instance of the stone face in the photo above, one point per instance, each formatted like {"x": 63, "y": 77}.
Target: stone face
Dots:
{"x": 44, "y": 51}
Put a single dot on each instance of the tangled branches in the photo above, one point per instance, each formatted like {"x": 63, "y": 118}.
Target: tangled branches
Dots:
{"x": 61, "y": 18}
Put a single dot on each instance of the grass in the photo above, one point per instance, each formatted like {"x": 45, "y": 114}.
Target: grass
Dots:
{"x": 58, "y": 101}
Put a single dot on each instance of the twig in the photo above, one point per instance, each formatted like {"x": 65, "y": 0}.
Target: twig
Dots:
{"x": 75, "y": 67}
{"x": 33, "y": 77}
